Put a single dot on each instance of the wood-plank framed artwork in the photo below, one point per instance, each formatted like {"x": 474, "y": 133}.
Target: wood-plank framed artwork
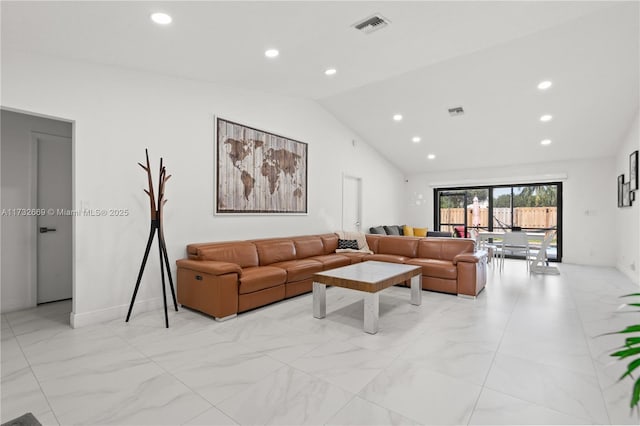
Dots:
{"x": 259, "y": 172}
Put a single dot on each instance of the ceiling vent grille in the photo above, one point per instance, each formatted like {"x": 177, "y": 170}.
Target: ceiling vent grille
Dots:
{"x": 371, "y": 24}
{"x": 456, "y": 111}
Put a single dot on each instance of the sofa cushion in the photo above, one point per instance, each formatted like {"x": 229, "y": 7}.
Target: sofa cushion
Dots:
{"x": 273, "y": 251}
{"x": 241, "y": 253}
{"x": 261, "y": 277}
{"x": 420, "y": 232}
{"x": 408, "y": 231}
{"x": 300, "y": 269}
{"x": 386, "y": 258}
{"x": 330, "y": 243}
{"x": 331, "y": 261}
{"x": 307, "y": 247}
{"x": 392, "y": 230}
{"x": 377, "y": 230}
{"x": 355, "y": 257}
{"x": 348, "y": 244}
{"x": 436, "y": 268}
{"x": 405, "y": 246}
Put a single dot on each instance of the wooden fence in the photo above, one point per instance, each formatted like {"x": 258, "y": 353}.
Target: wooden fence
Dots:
{"x": 525, "y": 217}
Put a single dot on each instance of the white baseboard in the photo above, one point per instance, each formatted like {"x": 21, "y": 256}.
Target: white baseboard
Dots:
{"x": 109, "y": 314}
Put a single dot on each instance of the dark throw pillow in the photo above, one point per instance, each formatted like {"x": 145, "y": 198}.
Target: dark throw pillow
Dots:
{"x": 392, "y": 230}
{"x": 348, "y": 244}
{"x": 377, "y": 230}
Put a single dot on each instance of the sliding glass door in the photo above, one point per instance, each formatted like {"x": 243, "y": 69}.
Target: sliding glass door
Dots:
{"x": 534, "y": 208}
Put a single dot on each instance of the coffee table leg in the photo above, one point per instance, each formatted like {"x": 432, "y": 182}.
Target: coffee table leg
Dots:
{"x": 319, "y": 300}
{"x": 416, "y": 290}
{"x": 371, "y": 312}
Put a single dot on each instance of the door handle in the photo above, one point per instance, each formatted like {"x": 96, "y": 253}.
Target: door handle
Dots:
{"x": 44, "y": 229}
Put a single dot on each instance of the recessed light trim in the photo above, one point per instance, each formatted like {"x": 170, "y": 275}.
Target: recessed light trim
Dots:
{"x": 415, "y": 139}
{"x": 271, "y": 53}
{"x": 431, "y": 156}
{"x": 330, "y": 71}
{"x": 545, "y": 118}
{"x": 545, "y": 142}
{"x": 397, "y": 117}
{"x": 161, "y": 18}
{"x": 544, "y": 85}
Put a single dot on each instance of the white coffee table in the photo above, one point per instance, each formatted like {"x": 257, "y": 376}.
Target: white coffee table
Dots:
{"x": 370, "y": 277}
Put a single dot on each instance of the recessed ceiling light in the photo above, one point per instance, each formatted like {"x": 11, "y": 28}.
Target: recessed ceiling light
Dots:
{"x": 271, "y": 53}
{"x": 544, "y": 85}
{"x": 161, "y": 18}
{"x": 397, "y": 117}
{"x": 416, "y": 139}
{"x": 330, "y": 71}
{"x": 431, "y": 156}
{"x": 546, "y": 118}
{"x": 545, "y": 142}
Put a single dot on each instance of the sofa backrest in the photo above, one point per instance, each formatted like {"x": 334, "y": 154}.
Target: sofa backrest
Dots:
{"x": 397, "y": 245}
{"x": 275, "y": 250}
{"x": 444, "y": 248}
{"x": 330, "y": 243}
{"x": 372, "y": 241}
{"x": 242, "y": 253}
{"x": 308, "y": 246}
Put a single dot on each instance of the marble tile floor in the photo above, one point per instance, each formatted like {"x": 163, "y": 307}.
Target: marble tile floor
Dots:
{"x": 525, "y": 351}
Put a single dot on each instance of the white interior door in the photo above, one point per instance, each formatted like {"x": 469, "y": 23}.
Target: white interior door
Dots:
{"x": 54, "y": 262}
{"x": 351, "y": 203}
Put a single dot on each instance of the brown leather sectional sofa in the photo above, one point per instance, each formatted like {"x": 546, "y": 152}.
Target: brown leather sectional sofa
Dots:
{"x": 225, "y": 278}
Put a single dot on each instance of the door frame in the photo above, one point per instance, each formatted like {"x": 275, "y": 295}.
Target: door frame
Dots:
{"x": 358, "y": 179}
{"x": 35, "y": 135}
{"x": 33, "y": 220}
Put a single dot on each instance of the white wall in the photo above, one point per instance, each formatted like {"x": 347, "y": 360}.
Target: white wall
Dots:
{"x": 19, "y": 232}
{"x": 118, "y": 113}
{"x": 627, "y": 219}
{"x": 589, "y": 201}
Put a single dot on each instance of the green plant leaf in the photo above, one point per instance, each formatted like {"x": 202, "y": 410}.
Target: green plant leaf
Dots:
{"x": 635, "y": 397}
{"x": 630, "y": 295}
{"x": 630, "y": 341}
{"x": 631, "y": 329}
{"x": 632, "y": 366}
{"x": 626, "y": 353}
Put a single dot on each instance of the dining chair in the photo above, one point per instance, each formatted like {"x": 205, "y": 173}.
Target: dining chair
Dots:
{"x": 540, "y": 262}
{"x": 484, "y": 244}
{"x": 515, "y": 243}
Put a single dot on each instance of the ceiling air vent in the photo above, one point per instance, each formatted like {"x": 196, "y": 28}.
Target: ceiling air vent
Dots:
{"x": 371, "y": 24}
{"x": 456, "y": 111}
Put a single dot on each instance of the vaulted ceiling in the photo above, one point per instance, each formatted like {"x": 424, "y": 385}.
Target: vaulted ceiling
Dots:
{"x": 486, "y": 57}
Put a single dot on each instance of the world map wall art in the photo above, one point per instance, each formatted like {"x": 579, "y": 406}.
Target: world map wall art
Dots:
{"x": 258, "y": 171}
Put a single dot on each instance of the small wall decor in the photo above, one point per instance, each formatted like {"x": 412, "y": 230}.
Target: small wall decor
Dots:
{"x": 620, "y": 185}
{"x": 258, "y": 171}
{"x": 156, "y": 207}
{"x": 633, "y": 171}
{"x": 626, "y": 199}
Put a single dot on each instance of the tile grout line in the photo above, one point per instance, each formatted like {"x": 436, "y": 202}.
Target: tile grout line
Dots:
{"x": 593, "y": 365}
{"x": 495, "y": 354}
{"x": 35, "y": 377}
{"x": 151, "y": 360}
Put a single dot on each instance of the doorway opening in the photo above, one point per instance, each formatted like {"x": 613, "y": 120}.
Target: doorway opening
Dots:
{"x": 37, "y": 197}
{"x": 351, "y": 203}
{"x": 535, "y": 208}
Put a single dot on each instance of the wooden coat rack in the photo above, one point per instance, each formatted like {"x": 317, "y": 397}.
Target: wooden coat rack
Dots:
{"x": 156, "y": 227}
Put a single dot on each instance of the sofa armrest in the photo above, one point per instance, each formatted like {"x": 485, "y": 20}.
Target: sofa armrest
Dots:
{"x": 212, "y": 267}
{"x": 470, "y": 257}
